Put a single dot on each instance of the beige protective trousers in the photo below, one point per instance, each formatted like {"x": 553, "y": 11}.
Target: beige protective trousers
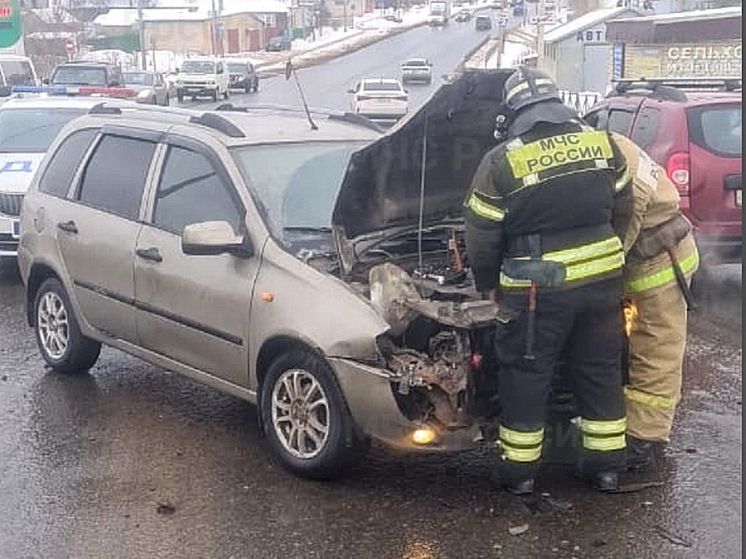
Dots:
{"x": 656, "y": 356}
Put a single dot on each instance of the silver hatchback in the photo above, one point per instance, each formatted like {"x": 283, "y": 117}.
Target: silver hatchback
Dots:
{"x": 293, "y": 267}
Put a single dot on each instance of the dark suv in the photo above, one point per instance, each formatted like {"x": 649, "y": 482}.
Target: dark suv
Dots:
{"x": 242, "y": 75}
{"x": 87, "y": 73}
{"x": 692, "y": 128}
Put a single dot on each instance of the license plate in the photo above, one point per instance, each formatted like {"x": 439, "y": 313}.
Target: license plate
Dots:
{"x": 383, "y": 101}
{"x": 16, "y": 229}
{"x": 738, "y": 198}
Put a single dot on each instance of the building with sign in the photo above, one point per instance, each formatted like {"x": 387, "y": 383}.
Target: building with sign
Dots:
{"x": 704, "y": 43}
{"x": 578, "y": 53}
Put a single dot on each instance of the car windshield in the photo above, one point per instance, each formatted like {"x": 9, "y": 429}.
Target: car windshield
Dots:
{"x": 415, "y": 63}
{"x": 138, "y": 78}
{"x": 198, "y": 67}
{"x": 297, "y": 184}
{"x": 237, "y": 69}
{"x": 381, "y": 86}
{"x": 718, "y": 129}
{"x": 17, "y": 72}
{"x": 79, "y": 75}
{"x": 30, "y": 130}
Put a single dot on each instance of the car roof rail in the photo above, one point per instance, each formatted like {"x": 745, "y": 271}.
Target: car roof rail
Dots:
{"x": 219, "y": 123}
{"x": 673, "y": 89}
{"x": 354, "y": 118}
{"x": 210, "y": 120}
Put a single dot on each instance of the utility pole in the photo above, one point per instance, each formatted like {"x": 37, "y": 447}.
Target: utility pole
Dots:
{"x": 214, "y": 29}
{"x": 344, "y": 15}
{"x": 141, "y": 32}
{"x": 540, "y": 35}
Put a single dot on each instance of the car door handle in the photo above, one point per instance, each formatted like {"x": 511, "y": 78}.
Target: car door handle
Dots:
{"x": 68, "y": 226}
{"x": 151, "y": 253}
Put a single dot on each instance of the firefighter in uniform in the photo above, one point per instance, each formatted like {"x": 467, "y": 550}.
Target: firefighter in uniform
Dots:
{"x": 540, "y": 239}
{"x": 661, "y": 257}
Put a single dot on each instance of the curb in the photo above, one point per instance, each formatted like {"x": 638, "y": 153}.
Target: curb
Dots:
{"x": 376, "y": 36}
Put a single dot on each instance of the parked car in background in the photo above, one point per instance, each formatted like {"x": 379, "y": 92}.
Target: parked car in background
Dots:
{"x": 278, "y": 44}
{"x": 28, "y": 125}
{"x": 87, "y": 74}
{"x": 482, "y": 23}
{"x": 17, "y": 70}
{"x": 241, "y": 75}
{"x": 382, "y": 98}
{"x": 202, "y": 77}
{"x": 149, "y": 87}
{"x": 692, "y": 129}
{"x": 416, "y": 70}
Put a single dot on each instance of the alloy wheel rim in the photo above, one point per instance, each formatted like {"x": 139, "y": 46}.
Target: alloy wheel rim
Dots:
{"x": 300, "y": 413}
{"x": 53, "y": 325}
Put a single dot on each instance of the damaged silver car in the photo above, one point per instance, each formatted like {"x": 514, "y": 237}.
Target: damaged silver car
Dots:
{"x": 315, "y": 269}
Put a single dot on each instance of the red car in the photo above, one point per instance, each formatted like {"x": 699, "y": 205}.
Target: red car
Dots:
{"x": 692, "y": 128}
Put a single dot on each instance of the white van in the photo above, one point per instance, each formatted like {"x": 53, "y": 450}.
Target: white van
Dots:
{"x": 17, "y": 70}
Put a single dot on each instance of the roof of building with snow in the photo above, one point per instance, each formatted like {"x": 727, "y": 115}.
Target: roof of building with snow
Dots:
{"x": 585, "y": 21}
{"x": 199, "y": 12}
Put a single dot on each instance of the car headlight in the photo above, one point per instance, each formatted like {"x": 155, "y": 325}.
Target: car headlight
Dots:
{"x": 143, "y": 94}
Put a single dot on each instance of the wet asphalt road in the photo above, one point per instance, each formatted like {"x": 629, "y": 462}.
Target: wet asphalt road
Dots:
{"x": 132, "y": 462}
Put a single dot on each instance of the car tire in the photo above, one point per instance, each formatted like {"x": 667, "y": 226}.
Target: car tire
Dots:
{"x": 226, "y": 94}
{"x": 180, "y": 97}
{"x": 295, "y": 380}
{"x": 256, "y": 87}
{"x": 62, "y": 345}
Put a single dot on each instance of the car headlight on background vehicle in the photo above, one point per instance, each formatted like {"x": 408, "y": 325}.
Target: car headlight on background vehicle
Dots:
{"x": 144, "y": 94}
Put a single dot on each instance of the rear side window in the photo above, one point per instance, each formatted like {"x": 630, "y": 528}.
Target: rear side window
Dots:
{"x": 61, "y": 169}
{"x": 646, "y": 127}
{"x": 114, "y": 178}
{"x": 716, "y": 129}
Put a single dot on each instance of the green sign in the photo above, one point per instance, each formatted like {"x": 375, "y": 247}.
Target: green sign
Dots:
{"x": 10, "y": 22}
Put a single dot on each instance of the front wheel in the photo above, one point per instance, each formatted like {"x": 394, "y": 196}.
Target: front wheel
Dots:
{"x": 58, "y": 335}
{"x": 305, "y": 416}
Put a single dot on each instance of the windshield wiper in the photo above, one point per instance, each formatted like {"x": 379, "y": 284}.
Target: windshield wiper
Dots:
{"x": 301, "y": 229}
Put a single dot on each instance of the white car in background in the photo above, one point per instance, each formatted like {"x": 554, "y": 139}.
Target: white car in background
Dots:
{"x": 381, "y": 98}
{"x": 417, "y": 70}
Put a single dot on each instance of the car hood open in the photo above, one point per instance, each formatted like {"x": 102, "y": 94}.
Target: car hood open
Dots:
{"x": 381, "y": 188}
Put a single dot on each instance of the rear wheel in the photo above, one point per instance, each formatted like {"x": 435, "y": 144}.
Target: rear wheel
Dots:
{"x": 180, "y": 97}
{"x": 305, "y": 416}
{"x": 58, "y": 335}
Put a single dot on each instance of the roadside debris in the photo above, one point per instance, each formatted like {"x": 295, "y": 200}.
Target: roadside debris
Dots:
{"x": 673, "y": 538}
{"x": 165, "y": 508}
{"x": 635, "y": 487}
{"x": 518, "y": 530}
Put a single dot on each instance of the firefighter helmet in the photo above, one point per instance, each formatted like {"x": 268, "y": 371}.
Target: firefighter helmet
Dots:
{"x": 528, "y": 86}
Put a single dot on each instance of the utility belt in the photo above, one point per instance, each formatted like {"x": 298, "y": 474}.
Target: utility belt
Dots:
{"x": 575, "y": 264}
{"x": 530, "y": 262}
{"x": 661, "y": 238}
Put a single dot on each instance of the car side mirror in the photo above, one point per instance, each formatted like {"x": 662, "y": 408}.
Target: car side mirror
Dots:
{"x": 114, "y": 83}
{"x": 45, "y": 81}
{"x": 351, "y": 91}
{"x": 210, "y": 238}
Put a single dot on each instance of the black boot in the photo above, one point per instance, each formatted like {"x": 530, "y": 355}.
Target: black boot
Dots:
{"x": 600, "y": 469}
{"x": 517, "y": 479}
{"x": 640, "y": 455}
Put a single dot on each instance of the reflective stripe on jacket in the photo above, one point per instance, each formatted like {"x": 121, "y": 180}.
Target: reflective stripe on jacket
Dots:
{"x": 557, "y": 181}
